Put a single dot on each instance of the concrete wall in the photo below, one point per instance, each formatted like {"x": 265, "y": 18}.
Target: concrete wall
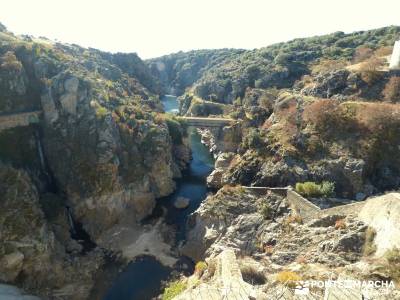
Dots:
{"x": 395, "y": 58}
{"x": 304, "y": 208}
{"x": 20, "y": 119}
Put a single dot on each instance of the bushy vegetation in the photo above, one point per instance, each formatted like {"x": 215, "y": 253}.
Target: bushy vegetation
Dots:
{"x": 392, "y": 268}
{"x": 391, "y": 93}
{"x": 224, "y": 75}
{"x": 369, "y": 247}
{"x": 200, "y": 267}
{"x": 232, "y": 189}
{"x": 370, "y": 70}
{"x": 180, "y": 70}
{"x": 10, "y": 62}
{"x": 288, "y": 278}
{"x": 312, "y": 189}
{"x": 254, "y": 140}
{"x": 266, "y": 211}
{"x": 251, "y": 275}
{"x": 174, "y": 289}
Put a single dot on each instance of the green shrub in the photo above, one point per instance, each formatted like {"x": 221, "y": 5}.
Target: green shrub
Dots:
{"x": 254, "y": 140}
{"x": 266, "y": 211}
{"x": 200, "y": 267}
{"x": 173, "y": 289}
{"x": 101, "y": 111}
{"x": 312, "y": 189}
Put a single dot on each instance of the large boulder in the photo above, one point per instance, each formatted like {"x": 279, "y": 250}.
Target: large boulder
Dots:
{"x": 382, "y": 213}
{"x": 328, "y": 84}
{"x": 181, "y": 202}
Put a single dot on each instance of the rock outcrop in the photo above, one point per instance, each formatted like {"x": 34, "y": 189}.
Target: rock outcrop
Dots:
{"x": 226, "y": 282}
{"x": 108, "y": 168}
{"x": 382, "y": 213}
{"x": 100, "y": 149}
{"x": 273, "y": 242}
{"x": 31, "y": 252}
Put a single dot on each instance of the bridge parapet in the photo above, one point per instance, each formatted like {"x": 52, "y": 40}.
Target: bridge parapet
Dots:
{"x": 207, "y": 122}
{"x": 19, "y": 119}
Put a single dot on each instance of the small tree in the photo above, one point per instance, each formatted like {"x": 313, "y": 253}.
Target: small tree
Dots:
{"x": 370, "y": 70}
{"x": 362, "y": 53}
{"x": 391, "y": 92}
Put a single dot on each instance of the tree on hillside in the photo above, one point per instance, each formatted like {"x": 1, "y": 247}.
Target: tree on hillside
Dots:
{"x": 391, "y": 93}
{"x": 362, "y": 53}
{"x": 370, "y": 70}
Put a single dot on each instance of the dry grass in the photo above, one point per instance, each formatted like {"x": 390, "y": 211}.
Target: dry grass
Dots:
{"x": 233, "y": 189}
{"x": 340, "y": 224}
{"x": 301, "y": 260}
{"x": 200, "y": 267}
{"x": 370, "y": 70}
{"x": 392, "y": 268}
{"x": 269, "y": 250}
{"x": 384, "y": 51}
{"x": 291, "y": 220}
{"x": 328, "y": 65}
{"x": 362, "y": 53}
{"x": 369, "y": 247}
{"x": 251, "y": 275}
{"x": 288, "y": 278}
{"x": 391, "y": 93}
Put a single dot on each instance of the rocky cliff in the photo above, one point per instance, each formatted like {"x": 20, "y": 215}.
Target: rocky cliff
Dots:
{"x": 276, "y": 249}
{"x": 101, "y": 154}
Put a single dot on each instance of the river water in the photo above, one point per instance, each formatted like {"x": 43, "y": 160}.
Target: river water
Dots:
{"x": 142, "y": 279}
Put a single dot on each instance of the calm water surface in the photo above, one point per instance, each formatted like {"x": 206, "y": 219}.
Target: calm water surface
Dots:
{"x": 142, "y": 279}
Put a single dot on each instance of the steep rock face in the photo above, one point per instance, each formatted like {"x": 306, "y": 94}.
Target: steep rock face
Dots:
{"x": 107, "y": 169}
{"x": 30, "y": 253}
{"x": 14, "y": 84}
{"x": 217, "y": 179}
{"x": 101, "y": 149}
{"x": 216, "y": 223}
{"x": 25, "y": 223}
{"x": 131, "y": 64}
{"x": 180, "y": 70}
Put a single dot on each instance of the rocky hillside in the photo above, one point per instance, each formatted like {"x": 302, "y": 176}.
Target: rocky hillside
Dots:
{"x": 314, "y": 109}
{"x": 321, "y": 110}
{"x": 178, "y": 71}
{"x": 224, "y": 75}
{"x": 102, "y": 149}
{"x": 256, "y": 245}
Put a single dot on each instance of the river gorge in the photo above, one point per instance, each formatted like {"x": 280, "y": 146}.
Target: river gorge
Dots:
{"x": 143, "y": 278}
{"x": 111, "y": 189}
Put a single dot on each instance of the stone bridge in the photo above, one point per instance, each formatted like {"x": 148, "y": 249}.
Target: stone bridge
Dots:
{"x": 207, "y": 122}
{"x": 12, "y": 120}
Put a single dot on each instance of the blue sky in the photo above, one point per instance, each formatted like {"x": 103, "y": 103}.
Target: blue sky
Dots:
{"x": 157, "y": 27}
